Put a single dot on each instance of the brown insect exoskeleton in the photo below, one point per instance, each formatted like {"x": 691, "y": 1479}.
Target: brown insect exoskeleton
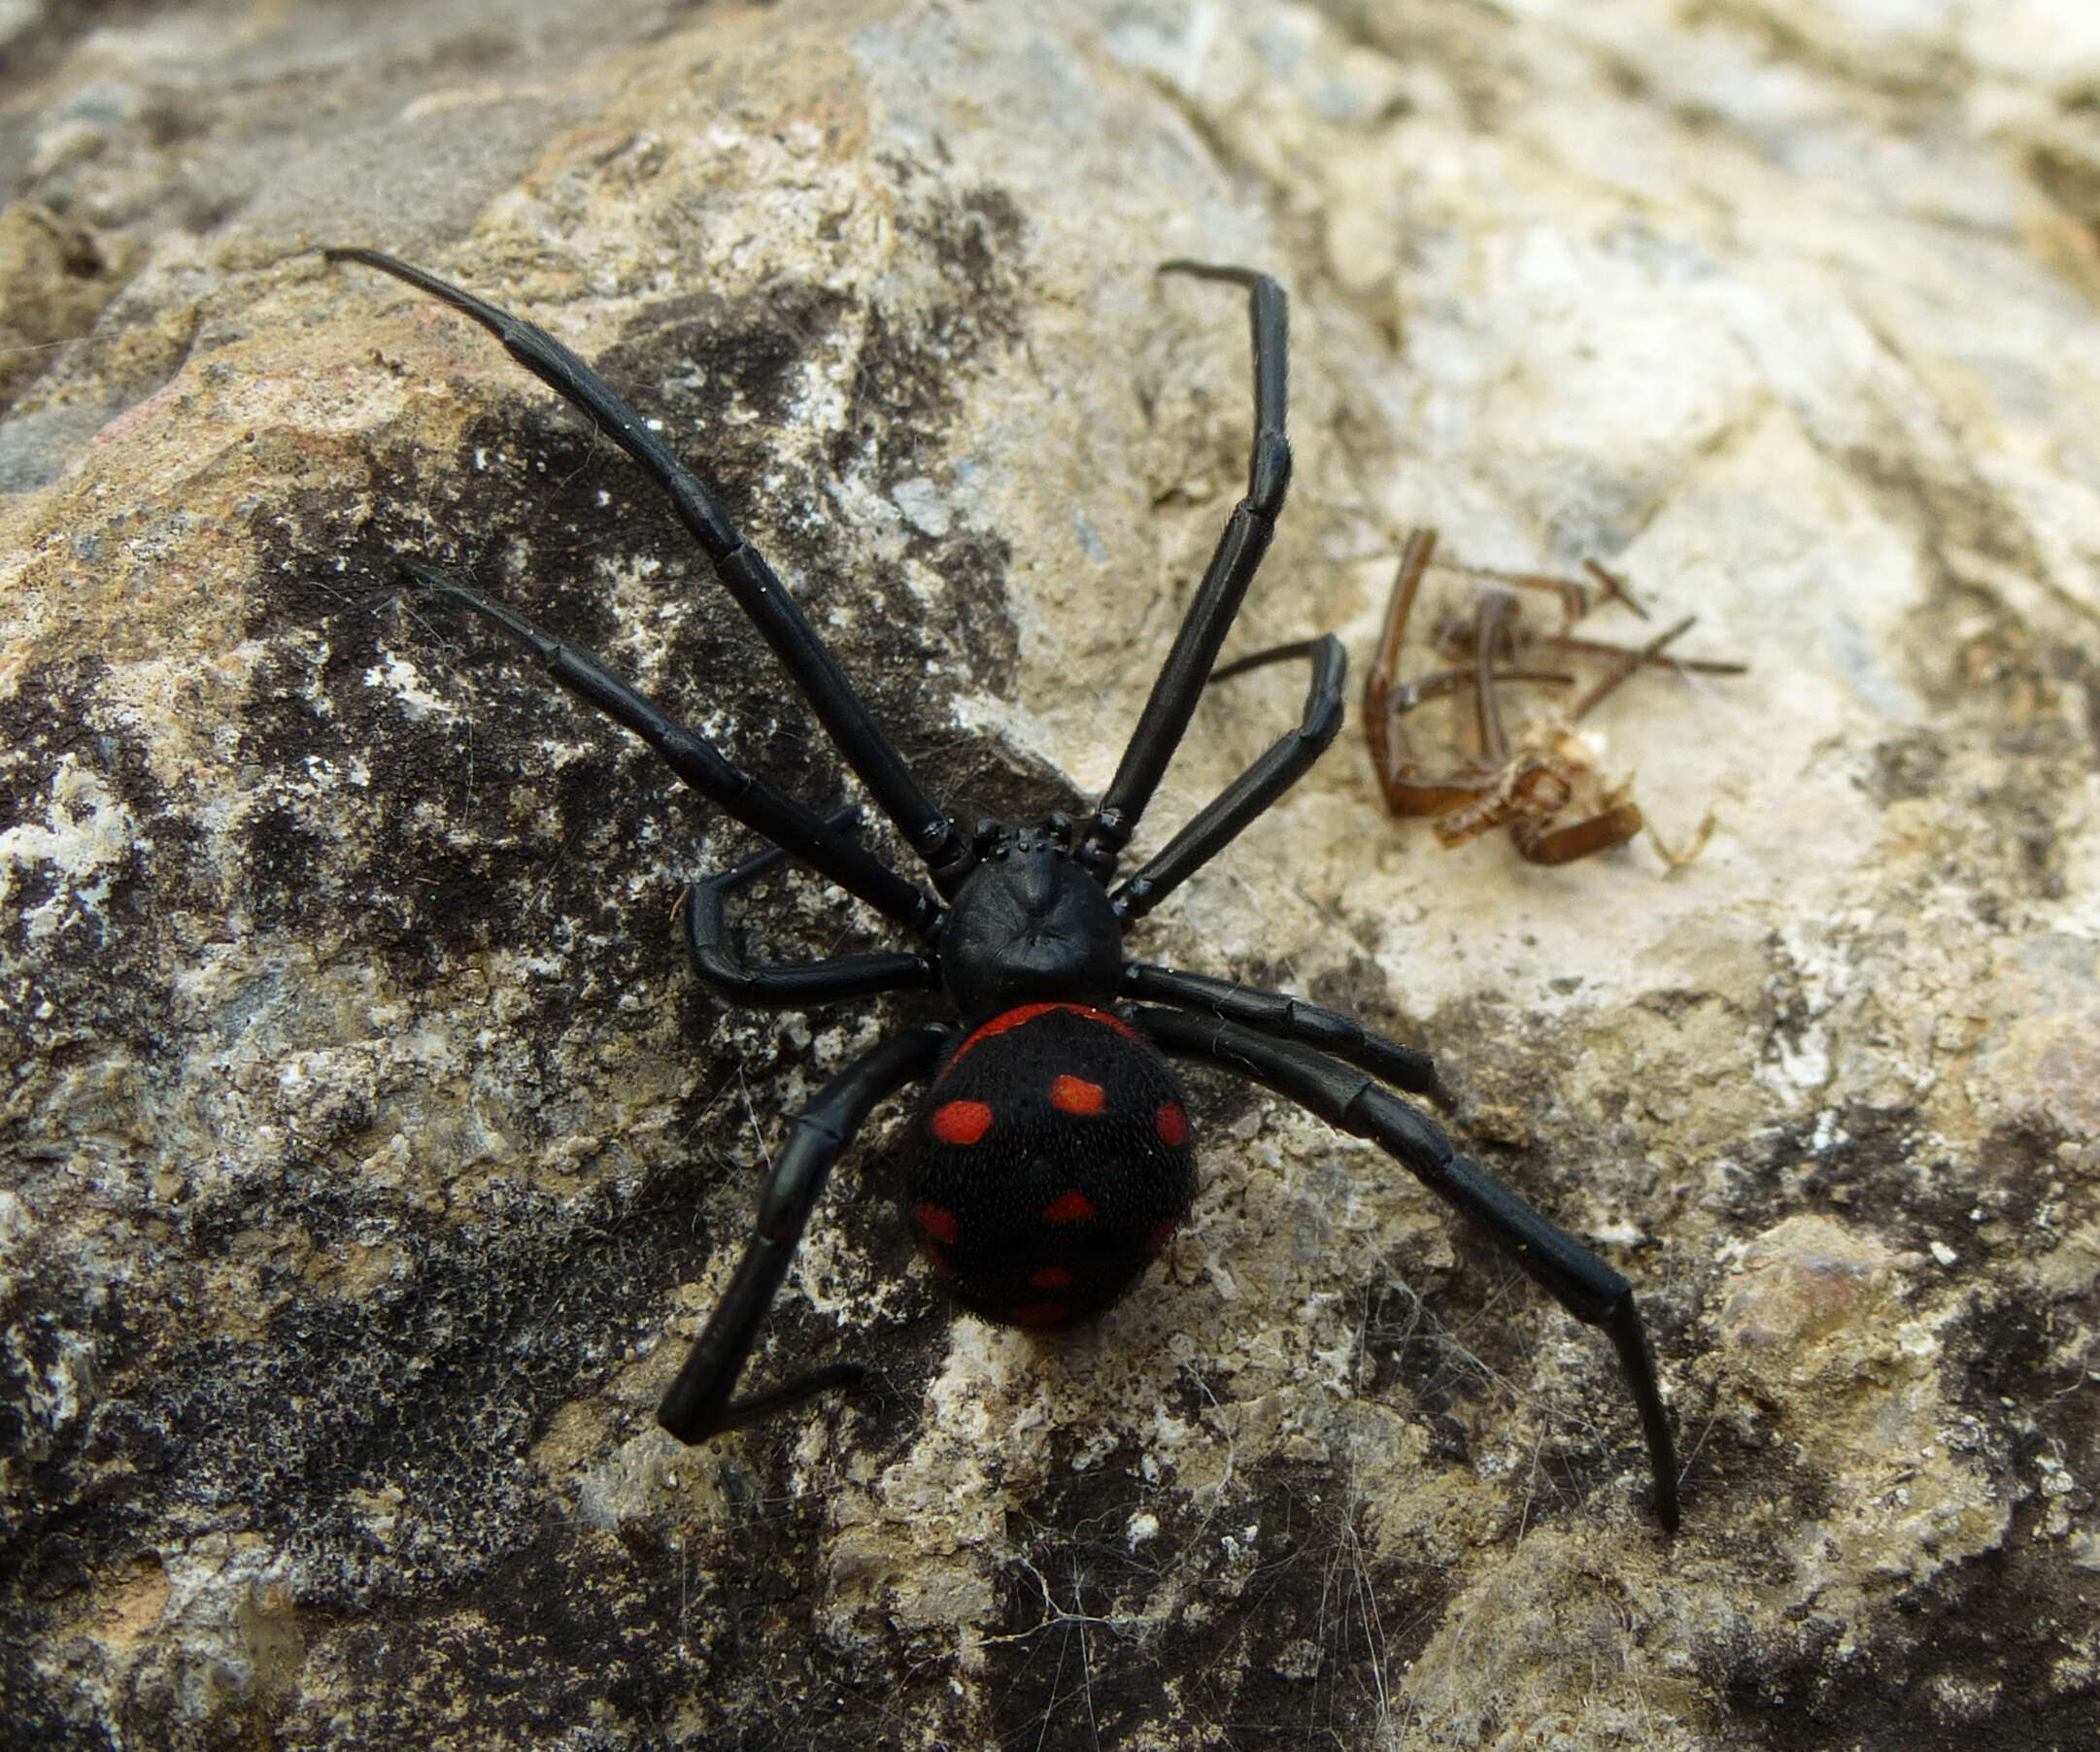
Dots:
{"x": 1541, "y": 781}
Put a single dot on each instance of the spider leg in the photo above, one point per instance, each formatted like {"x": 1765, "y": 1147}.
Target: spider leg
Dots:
{"x": 741, "y": 566}
{"x": 804, "y": 833}
{"x": 1574, "y": 594}
{"x": 1613, "y": 825}
{"x": 1352, "y": 1101}
{"x": 1231, "y": 568}
{"x": 698, "y": 1403}
{"x": 1216, "y": 824}
{"x": 785, "y": 985}
{"x": 1629, "y": 662}
{"x": 1457, "y": 639}
{"x": 1383, "y": 699}
{"x": 1289, "y": 1019}
{"x": 1497, "y": 609}
{"x": 1575, "y": 598}
{"x": 1425, "y": 687}
{"x": 1406, "y": 790}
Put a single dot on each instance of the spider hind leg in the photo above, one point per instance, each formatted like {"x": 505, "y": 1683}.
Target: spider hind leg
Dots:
{"x": 699, "y": 1403}
{"x": 1352, "y": 1102}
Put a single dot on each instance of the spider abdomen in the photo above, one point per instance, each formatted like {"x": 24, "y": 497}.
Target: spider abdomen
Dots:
{"x": 1052, "y": 1163}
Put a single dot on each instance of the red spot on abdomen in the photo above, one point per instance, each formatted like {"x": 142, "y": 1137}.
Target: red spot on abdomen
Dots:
{"x": 1171, "y": 1124}
{"x": 1068, "y": 1208}
{"x": 1050, "y": 1277}
{"x": 962, "y": 1122}
{"x": 938, "y": 1224}
{"x": 1039, "y": 1314}
{"x": 1075, "y": 1094}
{"x": 1013, "y": 1019}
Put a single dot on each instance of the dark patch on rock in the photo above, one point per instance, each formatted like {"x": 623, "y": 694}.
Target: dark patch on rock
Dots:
{"x": 1972, "y": 1661}
{"x": 429, "y": 1383}
{"x": 1907, "y": 765}
{"x": 79, "y": 957}
{"x": 2008, "y": 1353}
{"x": 1359, "y": 988}
{"x": 1879, "y": 1169}
{"x": 729, "y": 367}
{"x": 1755, "y": 1492}
{"x": 1408, "y": 1360}
{"x": 1294, "y": 1635}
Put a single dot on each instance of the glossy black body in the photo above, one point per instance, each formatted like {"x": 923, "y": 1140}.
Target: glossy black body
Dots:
{"x": 1030, "y": 926}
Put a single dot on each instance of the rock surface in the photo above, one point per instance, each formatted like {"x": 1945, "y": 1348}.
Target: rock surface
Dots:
{"x": 370, "y": 1155}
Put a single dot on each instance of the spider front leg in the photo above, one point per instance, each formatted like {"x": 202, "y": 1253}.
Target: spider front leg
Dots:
{"x": 699, "y": 1403}
{"x": 742, "y": 569}
{"x": 748, "y": 799}
{"x": 1280, "y": 765}
{"x": 786, "y": 985}
{"x": 1353, "y": 1102}
{"x": 1234, "y": 562}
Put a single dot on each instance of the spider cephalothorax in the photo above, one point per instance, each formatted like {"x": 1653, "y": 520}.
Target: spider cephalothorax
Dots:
{"x": 1029, "y": 925}
{"x": 1052, "y": 1155}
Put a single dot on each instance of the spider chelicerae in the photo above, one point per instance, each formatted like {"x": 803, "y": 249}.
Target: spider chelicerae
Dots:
{"x": 1052, "y": 1156}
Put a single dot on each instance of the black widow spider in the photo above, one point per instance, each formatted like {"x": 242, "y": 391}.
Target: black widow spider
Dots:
{"x": 1052, "y": 1154}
